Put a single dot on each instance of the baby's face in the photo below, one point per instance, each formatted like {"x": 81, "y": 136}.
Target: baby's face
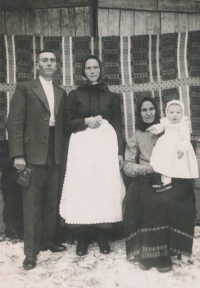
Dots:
{"x": 174, "y": 113}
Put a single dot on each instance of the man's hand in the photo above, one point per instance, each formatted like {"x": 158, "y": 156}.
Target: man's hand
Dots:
{"x": 19, "y": 164}
{"x": 93, "y": 122}
{"x": 149, "y": 169}
{"x": 121, "y": 161}
{"x": 180, "y": 154}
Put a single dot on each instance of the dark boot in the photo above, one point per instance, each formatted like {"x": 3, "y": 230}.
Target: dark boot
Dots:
{"x": 146, "y": 264}
{"x": 102, "y": 241}
{"x": 29, "y": 263}
{"x": 164, "y": 264}
{"x": 83, "y": 242}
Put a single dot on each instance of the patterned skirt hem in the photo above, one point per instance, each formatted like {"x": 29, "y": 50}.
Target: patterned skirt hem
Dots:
{"x": 154, "y": 252}
{"x": 157, "y": 229}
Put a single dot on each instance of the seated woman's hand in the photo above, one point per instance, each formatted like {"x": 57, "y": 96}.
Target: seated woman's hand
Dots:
{"x": 93, "y": 122}
{"x": 149, "y": 169}
{"x": 153, "y": 130}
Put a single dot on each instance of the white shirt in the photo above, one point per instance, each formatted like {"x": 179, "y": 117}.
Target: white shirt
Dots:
{"x": 48, "y": 89}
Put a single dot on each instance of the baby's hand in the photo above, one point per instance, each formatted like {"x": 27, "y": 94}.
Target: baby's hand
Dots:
{"x": 180, "y": 154}
{"x": 152, "y": 129}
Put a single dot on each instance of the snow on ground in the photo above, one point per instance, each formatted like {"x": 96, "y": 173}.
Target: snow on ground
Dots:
{"x": 93, "y": 270}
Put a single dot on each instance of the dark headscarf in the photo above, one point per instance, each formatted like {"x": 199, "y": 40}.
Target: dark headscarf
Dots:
{"x": 140, "y": 124}
{"x": 101, "y": 82}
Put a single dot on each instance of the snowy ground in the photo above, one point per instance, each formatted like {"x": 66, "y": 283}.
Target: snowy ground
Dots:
{"x": 93, "y": 270}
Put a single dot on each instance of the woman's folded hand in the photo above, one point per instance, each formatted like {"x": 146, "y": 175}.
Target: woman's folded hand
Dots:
{"x": 93, "y": 122}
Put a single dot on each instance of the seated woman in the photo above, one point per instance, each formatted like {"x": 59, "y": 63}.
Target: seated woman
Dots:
{"x": 157, "y": 225}
{"x": 92, "y": 190}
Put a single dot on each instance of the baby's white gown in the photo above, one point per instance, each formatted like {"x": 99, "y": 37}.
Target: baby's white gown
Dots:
{"x": 93, "y": 189}
{"x": 164, "y": 158}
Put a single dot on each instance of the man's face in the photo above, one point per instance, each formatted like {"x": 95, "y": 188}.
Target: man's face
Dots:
{"x": 174, "y": 113}
{"x": 47, "y": 64}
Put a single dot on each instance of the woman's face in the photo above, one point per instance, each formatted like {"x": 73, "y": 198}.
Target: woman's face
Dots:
{"x": 148, "y": 112}
{"x": 92, "y": 70}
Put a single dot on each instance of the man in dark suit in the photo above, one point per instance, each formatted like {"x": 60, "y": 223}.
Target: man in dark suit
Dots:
{"x": 35, "y": 125}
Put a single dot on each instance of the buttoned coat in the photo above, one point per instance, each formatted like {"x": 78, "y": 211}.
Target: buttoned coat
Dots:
{"x": 28, "y": 122}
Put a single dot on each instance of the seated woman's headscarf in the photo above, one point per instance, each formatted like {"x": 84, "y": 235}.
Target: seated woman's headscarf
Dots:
{"x": 140, "y": 124}
{"x": 101, "y": 82}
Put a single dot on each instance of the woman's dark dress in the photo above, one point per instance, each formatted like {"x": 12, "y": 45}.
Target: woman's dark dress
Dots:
{"x": 156, "y": 224}
{"x": 93, "y": 100}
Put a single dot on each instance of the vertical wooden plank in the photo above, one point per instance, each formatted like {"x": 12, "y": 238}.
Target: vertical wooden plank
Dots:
{"x": 193, "y": 21}
{"x": 181, "y": 22}
{"x": 15, "y": 23}
{"x": 93, "y": 11}
{"x": 87, "y": 21}
{"x": 54, "y": 22}
{"x": 68, "y": 25}
{"x": 41, "y": 22}
{"x": 79, "y": 20}
{"x": 103, "y": 22}
{"x": 127, "y": 23}
{"x": 113, "y": 22}
{"x": 72, "y": 24}
{"x": 167, "y": 22}
{"x": 64, "y": 22}
{"x": 140, "y": 22}
{"x": 29, "y": 16}
{"x": 2, "y": 28}
{"x": 153, "y": 22}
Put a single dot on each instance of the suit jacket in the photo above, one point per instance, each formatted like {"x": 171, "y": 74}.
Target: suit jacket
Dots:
{"x": 28, "y": 122}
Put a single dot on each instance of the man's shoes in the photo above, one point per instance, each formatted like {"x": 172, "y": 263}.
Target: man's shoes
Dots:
{"x": 103, "y": 245}
{"x": 164, "y": 264}
{"x": 82, "y": 247}
{"x": 29, "y": 263}
{"x": 54, "y": 248}
{"x": 147, "y": 264}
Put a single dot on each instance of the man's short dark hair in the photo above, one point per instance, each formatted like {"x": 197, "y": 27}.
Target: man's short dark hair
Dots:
{"x": 46, "y": 51}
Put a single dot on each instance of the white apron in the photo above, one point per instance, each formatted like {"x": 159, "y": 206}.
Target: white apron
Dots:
{"x": 93, "y": 189}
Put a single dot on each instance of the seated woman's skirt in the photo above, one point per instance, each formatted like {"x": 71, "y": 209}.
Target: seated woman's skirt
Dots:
{"x": 93, "y": 189}
{"x": 159, "y": 224}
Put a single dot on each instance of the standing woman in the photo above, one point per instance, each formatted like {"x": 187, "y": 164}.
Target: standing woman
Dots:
{"x": 93, "y": 189}
{"x": 157, "y": 225}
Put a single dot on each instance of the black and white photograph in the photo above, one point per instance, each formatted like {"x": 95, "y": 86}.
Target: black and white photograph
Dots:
{"x": 99, "y": 143}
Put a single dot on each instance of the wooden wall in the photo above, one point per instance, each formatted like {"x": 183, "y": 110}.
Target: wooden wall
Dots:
{"x": 120, "y": 22}
{"x": 153, "y": 5}
{"x": 72, "y": 21}
{"x": 62, "y": 19}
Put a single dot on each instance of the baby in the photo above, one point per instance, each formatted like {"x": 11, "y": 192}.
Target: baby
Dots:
{"x": 173, "y": 155}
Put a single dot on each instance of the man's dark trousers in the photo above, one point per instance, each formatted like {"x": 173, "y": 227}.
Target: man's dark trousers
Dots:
{"x": 40, "y": 202}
